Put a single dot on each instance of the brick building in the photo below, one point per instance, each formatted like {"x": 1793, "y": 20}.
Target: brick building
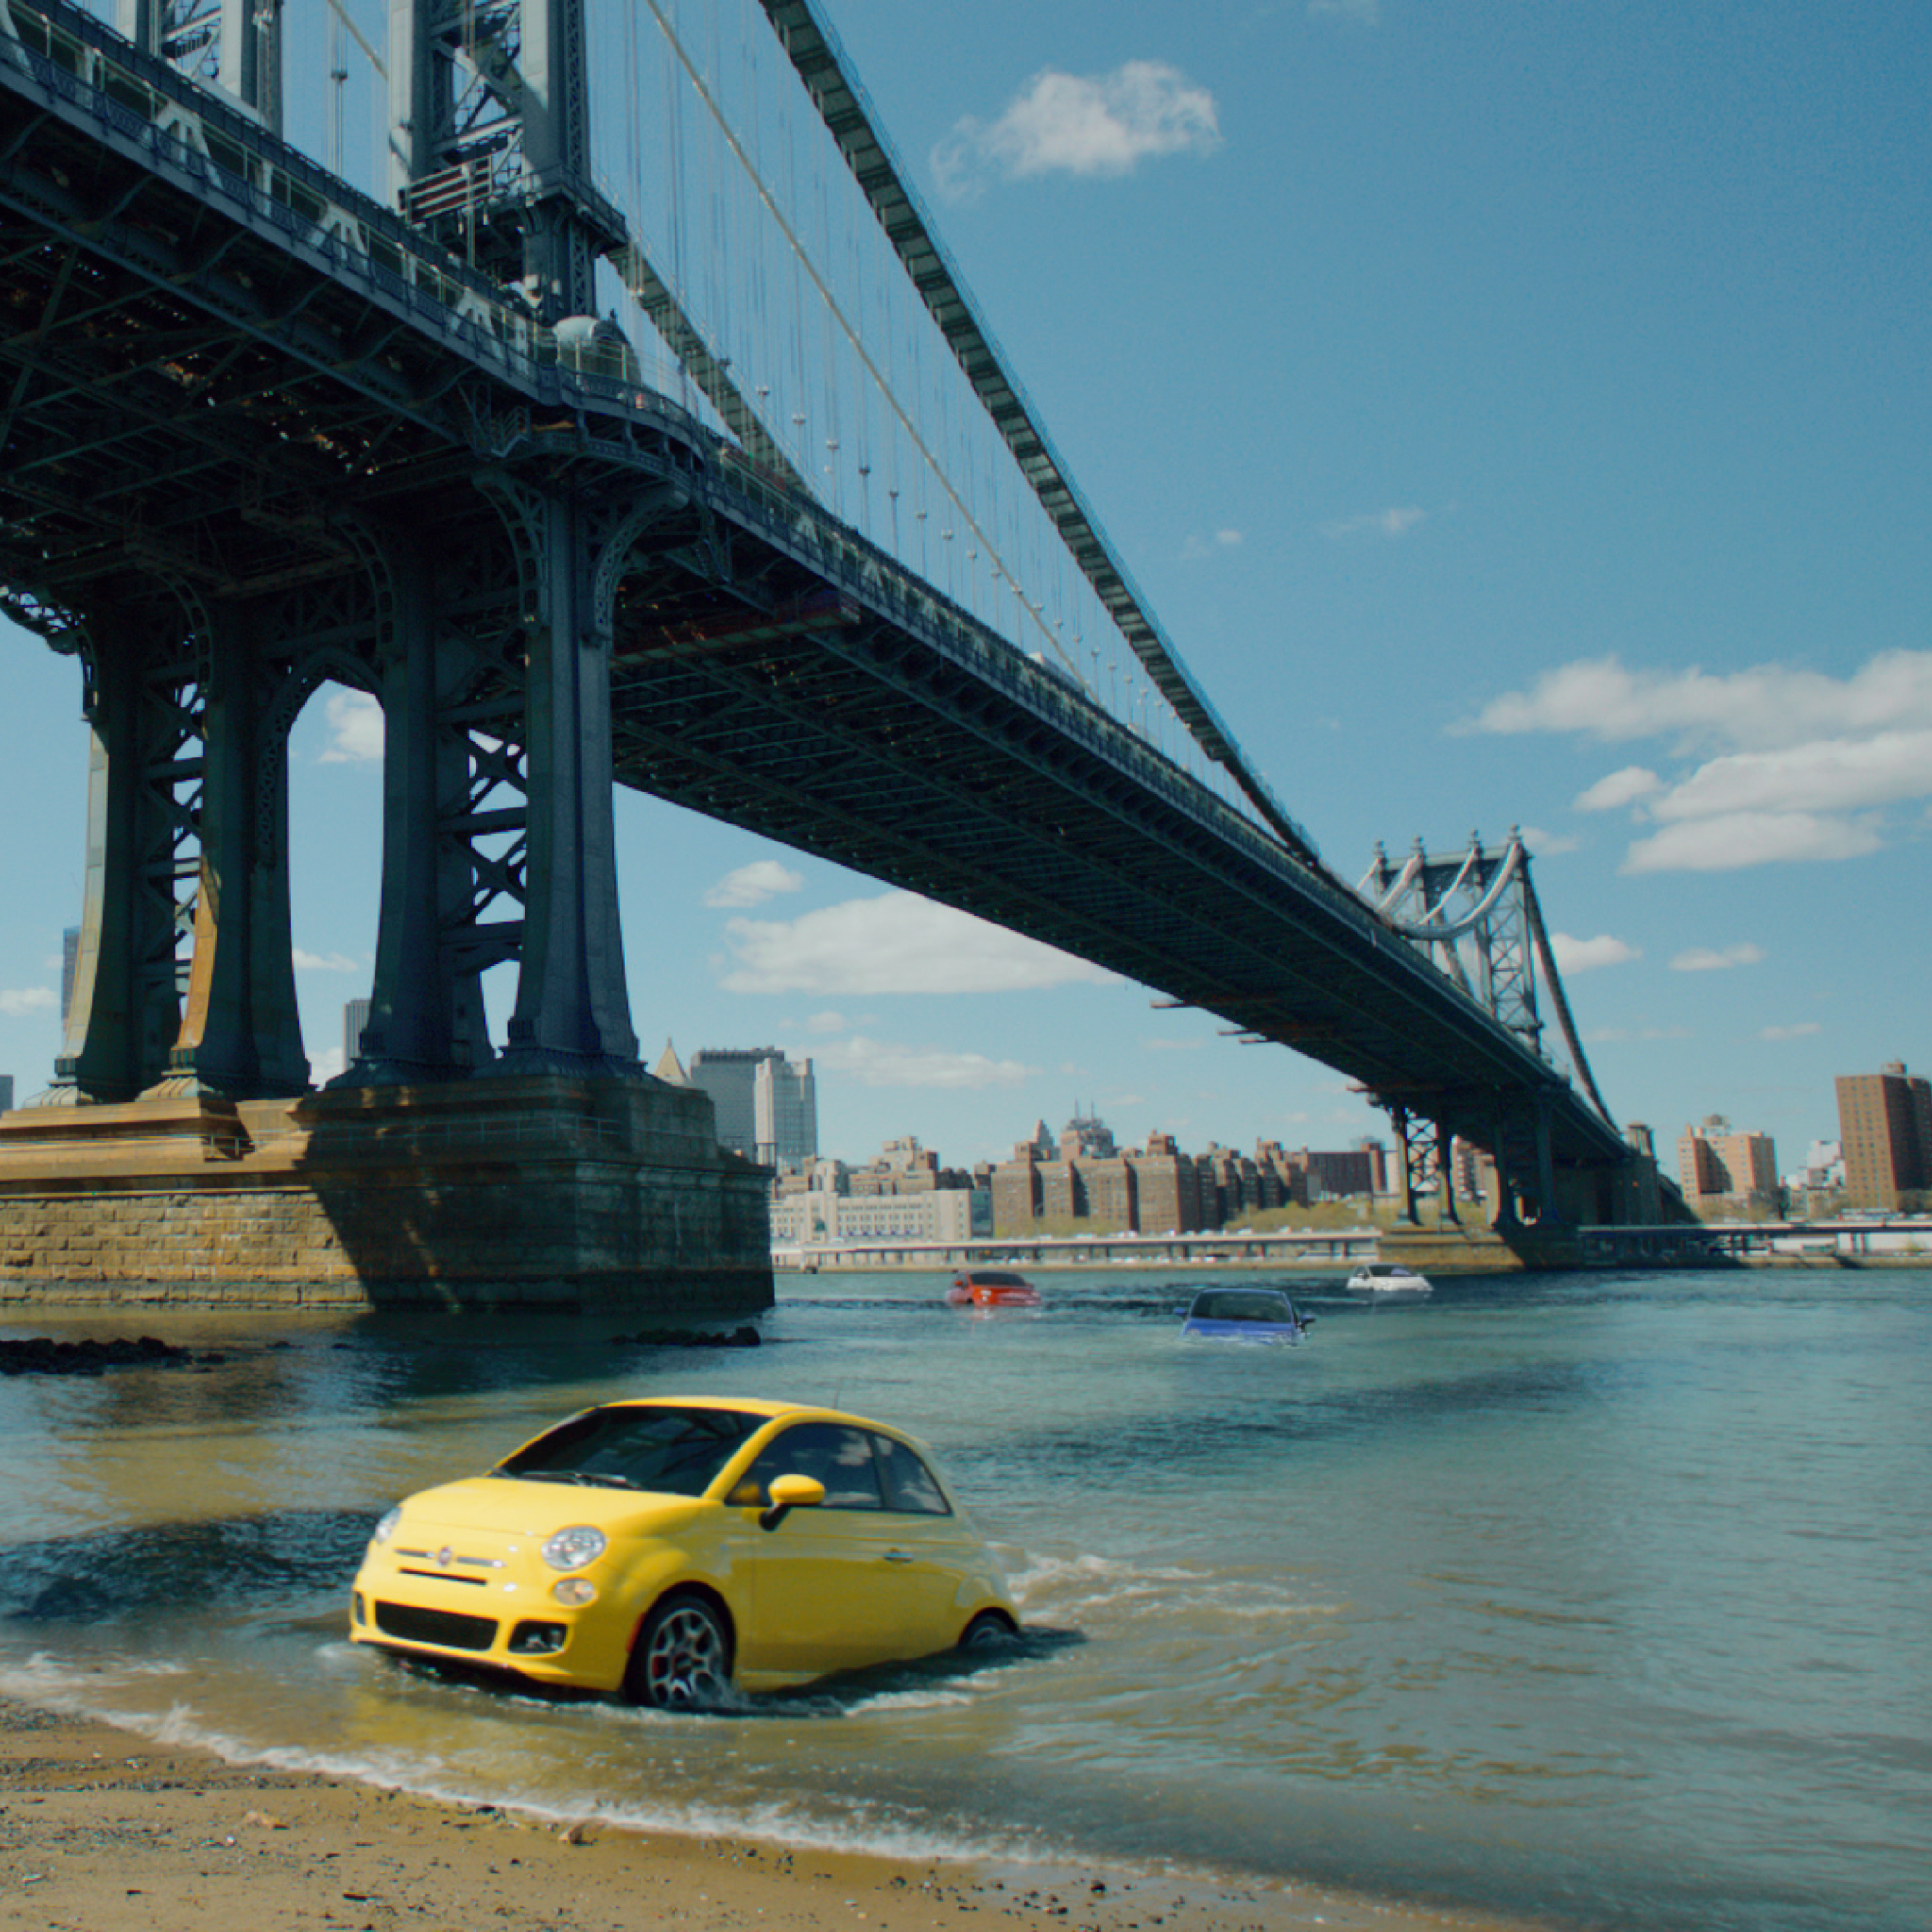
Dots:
{"x": 1167, "y": 1188}
{"x": 1714, "y": 1161}
{"x": 1885, "y": 1124}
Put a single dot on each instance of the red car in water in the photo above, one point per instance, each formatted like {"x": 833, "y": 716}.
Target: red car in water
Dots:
{"x": 992, "y": 1288}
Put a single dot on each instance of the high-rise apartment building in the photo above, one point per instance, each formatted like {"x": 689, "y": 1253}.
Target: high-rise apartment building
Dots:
{"x": 767, "y": 1106}
{"x": 1713, "y": 1160}
{"x": 70, "y": 966}
{"x": 1167, "y": 1188}
{"x": 355, "y": 1018}
{"x": 1344, "y": 1172}
{"x": 1885, "y": 1123}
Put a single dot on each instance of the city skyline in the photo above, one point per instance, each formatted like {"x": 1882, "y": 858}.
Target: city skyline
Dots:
{"x": 1558, "y": 461}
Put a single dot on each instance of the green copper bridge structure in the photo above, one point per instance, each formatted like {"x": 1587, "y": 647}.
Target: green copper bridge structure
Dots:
{"x": 260, "y": 430}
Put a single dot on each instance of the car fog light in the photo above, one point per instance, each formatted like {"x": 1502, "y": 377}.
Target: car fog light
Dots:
{"x": 536, "y": 1639}
{"x": 574, "y": 1590}
{"x": 572, "y": 1549}
{"x": 358, "y": 1609}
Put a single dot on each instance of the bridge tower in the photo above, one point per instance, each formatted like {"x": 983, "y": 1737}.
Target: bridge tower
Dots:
{"x": 1475, "y": 915}
{"x": 479, "y": 612}
{"x": 498, "y": 773}
{"x": 236, "y": 44}
{"x": 490, "y": 144}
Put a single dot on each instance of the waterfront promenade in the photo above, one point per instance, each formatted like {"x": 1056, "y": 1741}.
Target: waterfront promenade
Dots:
{"x": 1853, "y": 1241}
{"x": 1213, "y": 1247}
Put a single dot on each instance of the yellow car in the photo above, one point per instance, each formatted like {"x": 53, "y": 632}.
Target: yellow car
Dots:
{"x": 673, "y": 1548}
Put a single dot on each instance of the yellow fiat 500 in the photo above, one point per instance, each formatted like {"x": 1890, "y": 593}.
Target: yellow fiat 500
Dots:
{"x": 670, "y": 1548}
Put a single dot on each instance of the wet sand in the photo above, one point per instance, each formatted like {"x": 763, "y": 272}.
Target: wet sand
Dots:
{"x": 102, "y": 1831}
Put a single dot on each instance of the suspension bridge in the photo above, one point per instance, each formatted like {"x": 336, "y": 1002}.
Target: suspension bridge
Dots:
{"x": 693, "y": 468}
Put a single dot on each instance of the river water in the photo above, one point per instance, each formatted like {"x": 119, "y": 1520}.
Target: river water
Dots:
{"x": 1597, "y": 1598}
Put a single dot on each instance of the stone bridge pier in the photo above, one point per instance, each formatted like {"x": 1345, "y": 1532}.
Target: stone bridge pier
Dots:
{"x": 180, "y": 1153}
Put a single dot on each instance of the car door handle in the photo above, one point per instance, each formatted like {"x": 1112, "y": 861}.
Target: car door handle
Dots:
{"x": 899, "y": 1556}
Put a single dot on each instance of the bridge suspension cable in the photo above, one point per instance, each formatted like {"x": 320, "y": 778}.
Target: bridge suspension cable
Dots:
{"x": 822, "y": 65}
{"x": 716, "y": 382}
{"x": 1554, "y": 981}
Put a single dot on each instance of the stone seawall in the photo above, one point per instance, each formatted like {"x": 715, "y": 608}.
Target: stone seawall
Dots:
{"x": 540, "y": 1193}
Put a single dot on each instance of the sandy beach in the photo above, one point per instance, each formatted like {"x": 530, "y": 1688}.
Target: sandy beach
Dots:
{"x": 102, "y": 1831}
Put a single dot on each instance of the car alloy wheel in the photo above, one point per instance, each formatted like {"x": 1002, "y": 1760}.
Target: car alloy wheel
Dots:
{"x": 682, "y": 1660}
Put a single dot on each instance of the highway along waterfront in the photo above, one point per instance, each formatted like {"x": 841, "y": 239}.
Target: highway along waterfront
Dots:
{"x": 1594, "y": 1599}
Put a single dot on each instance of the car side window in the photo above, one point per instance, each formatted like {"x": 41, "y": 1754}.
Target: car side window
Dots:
{"x": 831, "y": 1453}
{"x": 910, "y": 1487}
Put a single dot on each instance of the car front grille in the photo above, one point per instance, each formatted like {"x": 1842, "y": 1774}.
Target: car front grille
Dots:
{"x": 414, "y": 1624}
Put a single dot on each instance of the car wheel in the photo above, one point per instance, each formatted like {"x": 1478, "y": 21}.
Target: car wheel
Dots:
{"x": 682, "y": 1658}
{"x": 985, "y": 1630}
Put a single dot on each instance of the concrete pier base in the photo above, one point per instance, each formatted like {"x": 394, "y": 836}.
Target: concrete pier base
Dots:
{"x": 531, "y": 1194}
{"x": 1451, "y": 1250}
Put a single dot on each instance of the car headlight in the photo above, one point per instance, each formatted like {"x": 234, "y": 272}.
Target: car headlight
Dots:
{"x": 572, "y": 1549}
{"x": 386, "y": 1525}
{"x": 573, "y": 1591}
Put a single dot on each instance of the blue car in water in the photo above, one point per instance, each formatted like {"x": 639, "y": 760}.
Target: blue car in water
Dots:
{"x": 1244, "y": 1314}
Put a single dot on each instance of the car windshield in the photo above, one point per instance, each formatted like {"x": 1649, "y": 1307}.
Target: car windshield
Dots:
{"x": 675, "y": 1452}
{"x": 1239, "y": 1305}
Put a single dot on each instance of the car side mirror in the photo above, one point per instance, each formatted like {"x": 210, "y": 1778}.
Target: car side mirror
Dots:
{"x": 790, "y": 1493}
{"x": 1308, "y": 1320}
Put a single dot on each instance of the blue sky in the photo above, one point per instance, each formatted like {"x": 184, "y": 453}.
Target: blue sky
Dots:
{"x": 1516, "y": 415}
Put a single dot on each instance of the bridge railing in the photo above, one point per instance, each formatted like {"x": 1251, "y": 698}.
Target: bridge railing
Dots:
{"x": 195, "y": 132}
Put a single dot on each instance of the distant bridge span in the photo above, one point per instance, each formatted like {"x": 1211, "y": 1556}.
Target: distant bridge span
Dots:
{"x": 260, "y": 432}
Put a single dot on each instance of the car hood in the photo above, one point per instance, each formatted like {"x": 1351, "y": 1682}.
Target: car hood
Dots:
{"x": 511, "y": 1505}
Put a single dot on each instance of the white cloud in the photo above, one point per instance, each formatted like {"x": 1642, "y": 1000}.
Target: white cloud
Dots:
{"x": 1586, "y": 955}
{"x": 16, "y": 1001}
{"x": 1795, "y": 1032}
{"x": 1195, "y": 548}
{"x": 1104, "y": 123}
{"x": 355, "y": 731}
{"x": 1784, "y": 766}
{"x": 878, "y": 1063}
{"x": 1545, "y": 844}
{"x": 1382, "y": 523}
{"x": 1739, "y": 838}
{"x": 831, "y": 1022}
{"x": 324, "y": 962}
{"x": 898, "y": 942}
{"x": 325, "y": 1065}
{"x": 1709, "y": 960}
{"x": 1618, "y": 789}
{"x": 1829, "y": 775}
{"x": 753, "y": 884}
{"x": 1768, "y": 706}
